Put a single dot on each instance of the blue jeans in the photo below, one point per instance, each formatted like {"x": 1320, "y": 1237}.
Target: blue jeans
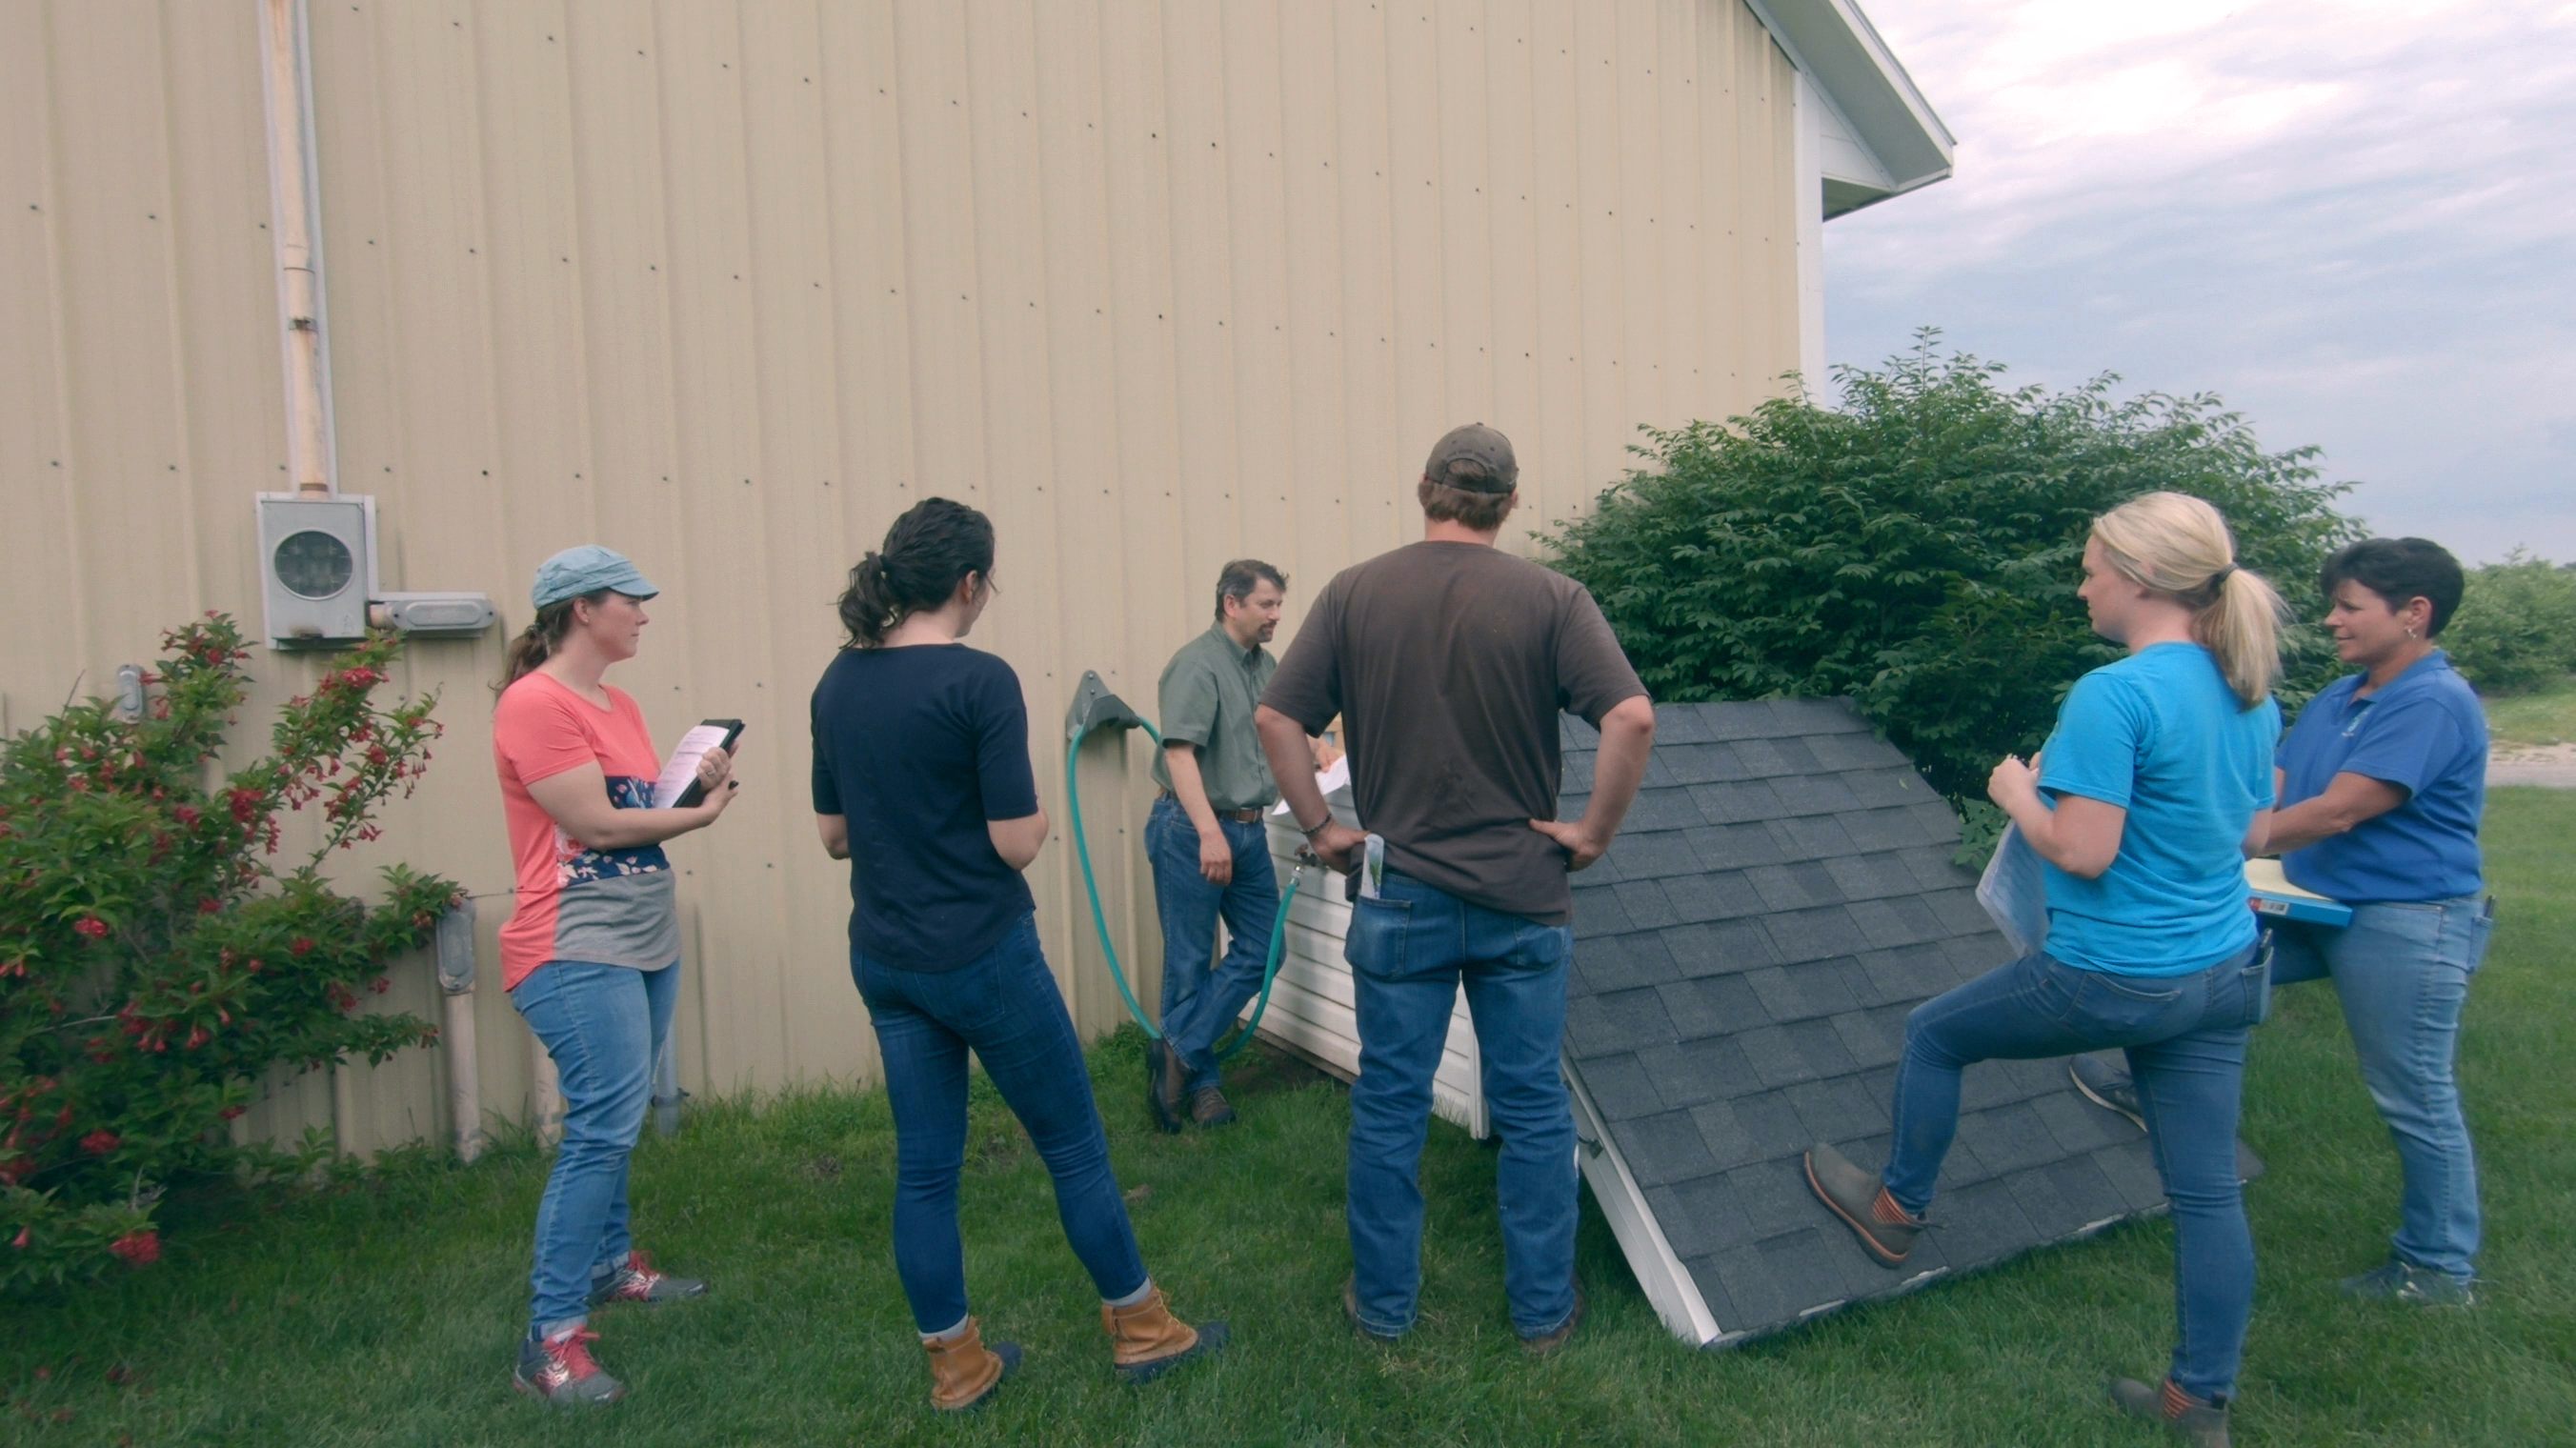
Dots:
{"x": 2186, "y": 1039}
{"x": 603, "y": 1025}
{"x": 1004, "y": 1007}
{"x": 2402, "y": 971}
{"x": 1409, "y": 953}
{"x": 1200, "y": 1003}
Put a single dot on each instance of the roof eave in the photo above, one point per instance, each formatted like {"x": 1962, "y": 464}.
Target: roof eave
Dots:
{"x": 1845, "y": 59}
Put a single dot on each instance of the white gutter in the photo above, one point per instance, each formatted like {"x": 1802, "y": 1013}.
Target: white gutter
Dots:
{"x": 287, "y": 79}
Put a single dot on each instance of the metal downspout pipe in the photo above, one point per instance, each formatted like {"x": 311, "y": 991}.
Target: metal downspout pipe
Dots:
{"x": 286, "y": 77}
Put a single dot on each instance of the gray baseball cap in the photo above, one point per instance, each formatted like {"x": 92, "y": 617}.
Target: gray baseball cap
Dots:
{"x": 1475, "y": 458}
{"x": 588, "y": 569}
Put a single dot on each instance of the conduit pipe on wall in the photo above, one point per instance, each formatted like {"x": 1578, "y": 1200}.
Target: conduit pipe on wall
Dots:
{"x": 287, "y": 79}
{"x": 456, "y": 1033}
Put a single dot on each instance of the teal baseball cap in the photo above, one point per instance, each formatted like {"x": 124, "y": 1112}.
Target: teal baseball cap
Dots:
{"x": 588, "y": 569}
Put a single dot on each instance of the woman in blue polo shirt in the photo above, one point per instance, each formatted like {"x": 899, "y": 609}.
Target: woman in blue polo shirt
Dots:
{"x": 2155, "y": 784}
{"x": 2381, "y": 784}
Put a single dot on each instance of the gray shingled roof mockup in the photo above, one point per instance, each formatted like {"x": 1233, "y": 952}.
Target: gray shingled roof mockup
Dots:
{"x": 1781, "y": 895}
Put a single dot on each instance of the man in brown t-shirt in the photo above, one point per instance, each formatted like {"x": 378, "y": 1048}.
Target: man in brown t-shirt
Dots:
{"x": 1449, "y": 662}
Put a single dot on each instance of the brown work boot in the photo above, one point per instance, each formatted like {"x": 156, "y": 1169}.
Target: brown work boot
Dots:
{"x": 1886, "y": 1230}
{"x": 1166, "y": 1083}
{"x": 1146, "y": 1341}
{"x": 1351, "y": 1315}
{"x": 2201, "y": 1422}
{"x": 1548, "y": 1342}
{"x": 964, "y": 1372}
{"x": 1208, "y": 1107}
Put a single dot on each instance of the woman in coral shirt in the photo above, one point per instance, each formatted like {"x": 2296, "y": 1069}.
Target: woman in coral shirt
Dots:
{"x": 591, "y": 955}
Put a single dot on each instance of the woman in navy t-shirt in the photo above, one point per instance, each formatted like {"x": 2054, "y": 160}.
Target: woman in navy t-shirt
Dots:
{"x": 922, "y": 782}
{"x": 2141, "y": 808}
{"x": 2382, "y": 783}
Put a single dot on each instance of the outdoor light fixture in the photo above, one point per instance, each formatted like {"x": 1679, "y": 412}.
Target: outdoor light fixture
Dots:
{"x": 318, "y": 567}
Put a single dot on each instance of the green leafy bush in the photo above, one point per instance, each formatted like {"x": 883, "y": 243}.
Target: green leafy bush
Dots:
{"x": 155, "y": 961}
{"x": 1919, "y": 547}
{"x": 2515, "y": 629}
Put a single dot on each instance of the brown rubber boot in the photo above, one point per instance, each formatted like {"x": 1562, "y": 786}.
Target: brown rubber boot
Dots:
{"x": 1146, "y": 1341}
{"x": 964, "y": 1372}
{"x": 2200, "y": 1422}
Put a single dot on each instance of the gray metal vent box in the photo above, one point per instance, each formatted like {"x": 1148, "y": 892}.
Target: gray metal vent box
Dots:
{"x": 317, "y": 567}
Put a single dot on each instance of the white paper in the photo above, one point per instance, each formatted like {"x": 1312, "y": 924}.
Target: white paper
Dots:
{"x": 2015, "y": 893}
{"x": 683, "y": 768}
{"x": 1326, "y": 781}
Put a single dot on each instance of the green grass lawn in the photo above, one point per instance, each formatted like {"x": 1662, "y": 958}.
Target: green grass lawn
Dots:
{"x": 387, "y": 1312}
{"x": 2545, "y": 716}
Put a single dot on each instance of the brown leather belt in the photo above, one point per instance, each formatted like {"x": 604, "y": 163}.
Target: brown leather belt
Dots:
{"x": 1250, "y": 816}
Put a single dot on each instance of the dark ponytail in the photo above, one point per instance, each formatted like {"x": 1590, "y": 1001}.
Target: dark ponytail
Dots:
{"x": 926, "y": 554}
{"x": 544, "y": 634}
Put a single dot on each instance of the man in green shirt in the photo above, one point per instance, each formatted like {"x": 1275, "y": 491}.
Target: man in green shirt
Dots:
{"x": 1209, "y": 848}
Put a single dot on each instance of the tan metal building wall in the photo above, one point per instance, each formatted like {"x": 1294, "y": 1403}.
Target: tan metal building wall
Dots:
{"x": 728, "y": 285}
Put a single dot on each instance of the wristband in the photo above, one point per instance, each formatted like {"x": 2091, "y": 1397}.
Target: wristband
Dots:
{"x": 1310, "y": 831}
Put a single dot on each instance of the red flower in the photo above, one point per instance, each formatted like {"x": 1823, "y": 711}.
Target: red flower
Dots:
{"x": 21, "y": 1239}
{"x": 139, "y": 1249}
{"x": 187, "y": 815}
{"x": 199, "y": 1037}
{"x": 380, "y": 985}
{"x": 99, "y": 1142}
{"x": 209, "y": 905}
{"x": 245, "y": 804}
{"x": 92, "y": 926}
{"x": 303, "y": 945}
{"x": 229, "y": 1112}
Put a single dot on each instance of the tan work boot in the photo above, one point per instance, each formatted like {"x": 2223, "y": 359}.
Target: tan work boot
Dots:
{"x": 2201, "y": 1423}
{"x": 964, "y": 1372}
{"x": 1146, "y": 1341}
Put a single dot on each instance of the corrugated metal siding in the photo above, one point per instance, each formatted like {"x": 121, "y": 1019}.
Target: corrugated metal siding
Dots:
{"x": 728, "y": 285}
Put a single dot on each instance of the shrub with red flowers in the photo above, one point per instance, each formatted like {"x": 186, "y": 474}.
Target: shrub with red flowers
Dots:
{"x": 161, "y": 949}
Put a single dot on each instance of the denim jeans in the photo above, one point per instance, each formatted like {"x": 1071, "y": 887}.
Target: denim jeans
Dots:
{"x": 1409, "y": 953}
{"x": 604, "y": 1025}
{"x": 2402, "y": 971}
{"x": 1004, "y": 1007}
{"x": 2186, "y": 1039}
{"x": 1200, "y": 1003}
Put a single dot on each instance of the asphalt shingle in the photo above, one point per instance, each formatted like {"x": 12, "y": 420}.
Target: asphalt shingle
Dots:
{"x": 1779, "y": 900}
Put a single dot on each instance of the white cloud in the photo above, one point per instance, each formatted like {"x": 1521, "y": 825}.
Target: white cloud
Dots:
{"x": 2356, "y": 219}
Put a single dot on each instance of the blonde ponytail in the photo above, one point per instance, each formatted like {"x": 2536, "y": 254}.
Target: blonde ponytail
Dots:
{"x": 2178, "y": 545}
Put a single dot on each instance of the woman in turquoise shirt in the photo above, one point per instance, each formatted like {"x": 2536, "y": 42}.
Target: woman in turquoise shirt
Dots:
{"x": 2142, "y": 807}
{"x": 2382, "y": 784}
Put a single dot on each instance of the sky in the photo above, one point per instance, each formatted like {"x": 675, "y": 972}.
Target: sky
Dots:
{"x": 2355, "y": 220}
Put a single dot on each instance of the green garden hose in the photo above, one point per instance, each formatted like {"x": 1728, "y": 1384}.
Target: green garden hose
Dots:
{"x": 1076, "y": 729}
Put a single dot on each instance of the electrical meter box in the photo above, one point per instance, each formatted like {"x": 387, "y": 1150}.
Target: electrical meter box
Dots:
{"x": 318, "y": 565}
